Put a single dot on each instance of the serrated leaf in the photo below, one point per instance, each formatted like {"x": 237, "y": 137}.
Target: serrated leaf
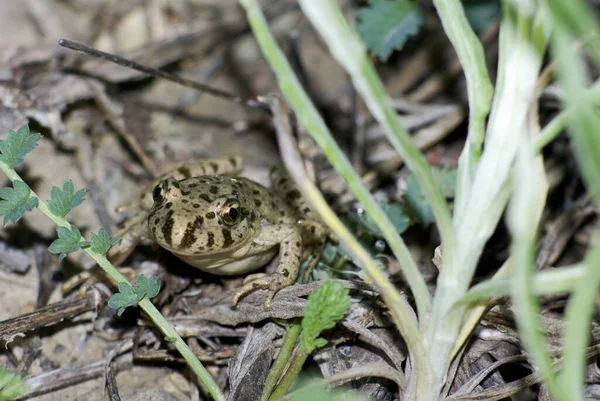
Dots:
{"x": 15, "y": 201}
{"x": 129, "y": 295}
{"x": 325, "y": 305}
{"x": 11, "y": 385}
{"x": 394, "y": 211}
{"x": 124, "y": 298}
{"x": 62, "y": 202}
{"x": 418, "y": 205}
{"x": 147, "y": 287}
{"x": 102, "y": 242}
{"x": 69, "y": 240}
{"x": 385, "y": 25}
{"x": 17, "y": 145}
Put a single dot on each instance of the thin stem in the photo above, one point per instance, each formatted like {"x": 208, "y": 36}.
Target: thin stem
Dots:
{"x": 312, "y": 121}
{"x": 291, "y": 336}
{"x": 165, "y": 327}
{"x": 479, "y": 89}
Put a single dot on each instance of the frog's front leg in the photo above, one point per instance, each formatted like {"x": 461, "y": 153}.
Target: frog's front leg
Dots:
{"x": 290, "y": 250}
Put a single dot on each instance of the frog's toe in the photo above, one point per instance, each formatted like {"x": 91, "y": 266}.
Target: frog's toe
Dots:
{"x": 273, "y": 282}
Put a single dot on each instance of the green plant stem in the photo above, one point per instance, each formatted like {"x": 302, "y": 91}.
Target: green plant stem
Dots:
{"x": 345, "y": 45}
{"x": 523, "y": 229}
{"x": 400, "y": 311}
{"x": 584, "y": 124}
{"x": 291, "y": 336}
{"x": 288, "y": 379}
{"x": 479, "y": 89}
{"x": 558, "y": 123}
{"x": 165, "y": 327}
{"x": 314, "y": 124}
{"x": 547, "y": 282}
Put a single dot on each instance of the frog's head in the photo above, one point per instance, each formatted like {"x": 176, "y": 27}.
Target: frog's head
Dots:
{"x": 189, "y": 219}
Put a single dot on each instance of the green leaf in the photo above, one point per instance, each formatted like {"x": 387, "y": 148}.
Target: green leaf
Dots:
{"x": 102, "y": 242}
{"x": 62, "y": 202}
{"x": 17, "y": 145}
{"x": 481, "y": 13}
{"x": 124, "y": 298}
{"x": 69, "y": 240}
{"x": 11, "y": 385}
{"x": 416, "y": 202}
{"x": 325, "y": 305}
{"x": 386, "y": 24}
{"x": 394, "y": 211}
{"x": 16, "y": 201}
{"x": 129, "y": 295}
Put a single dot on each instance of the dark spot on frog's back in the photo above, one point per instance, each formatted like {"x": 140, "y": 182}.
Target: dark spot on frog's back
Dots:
{"x": 214, "y": 189}
{"x": 227, "y": 240}
{"x": 255, "y": 192}
{"x": 205, "y": 197}
{"x": 185, "y": 171}
{"x": 189, "y": 236}
{"x": 211, "y": 240}
{"x": 257, "y": 202}
{"x": 210, "y": 215}
{"x": 198, "y": 221}
{"x": 293, "y": 195}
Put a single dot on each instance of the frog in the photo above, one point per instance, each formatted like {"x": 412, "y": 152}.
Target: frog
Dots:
{"x": 217, "y": 221}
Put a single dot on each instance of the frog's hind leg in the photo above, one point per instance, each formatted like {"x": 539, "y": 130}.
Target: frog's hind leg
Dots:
{"x": 314, "y": 232}
{"x": 288, "y": 266}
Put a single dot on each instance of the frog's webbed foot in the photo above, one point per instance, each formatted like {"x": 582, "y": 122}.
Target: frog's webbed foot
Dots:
{"x": 288, "y": 266}
{"x": 273, "y": 282}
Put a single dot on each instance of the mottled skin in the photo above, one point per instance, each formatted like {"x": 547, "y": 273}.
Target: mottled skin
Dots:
{"x": 230, "y": 225}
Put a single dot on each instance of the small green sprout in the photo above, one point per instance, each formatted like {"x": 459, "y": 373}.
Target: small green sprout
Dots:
{"x": 16, "y": 201}
{"x": 325, "y": 305}
{"x": 11, "y": 385}
{"x": 69, "y": 240}
{"x": 17, "y": 145}
{"x": 62, "y": 202}
{"x": 129, "y": 295}
{"x": 102, "y": 242}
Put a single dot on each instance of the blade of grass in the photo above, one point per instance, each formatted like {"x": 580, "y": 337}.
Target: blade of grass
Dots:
{"x": 523, "y": 229}
{"x": 399, "y": 309}
{"x": 479, "y": 90}
{"x": 345, "y": 45}
{"x": 314, "y": 124}
{"x": 522, "y": 46}
{"x": 584, "y": 124}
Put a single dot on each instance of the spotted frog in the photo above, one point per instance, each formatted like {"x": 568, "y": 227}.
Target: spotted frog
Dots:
{"x": 224, "y": 224}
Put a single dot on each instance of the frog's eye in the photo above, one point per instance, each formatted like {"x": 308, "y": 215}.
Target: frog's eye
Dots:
{"x": 230, "y": 213}
{"x": 156, "y": 193}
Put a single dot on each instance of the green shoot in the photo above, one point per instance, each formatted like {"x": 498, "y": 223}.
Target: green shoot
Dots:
{"x": 69, "y": 240}
{"x": 11, "y": 385}
{"x": 129, "y": 295}
{"x": 16, "y": 201}
{"x": 62, "y": 202}
{"x": 326, "y": 305}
